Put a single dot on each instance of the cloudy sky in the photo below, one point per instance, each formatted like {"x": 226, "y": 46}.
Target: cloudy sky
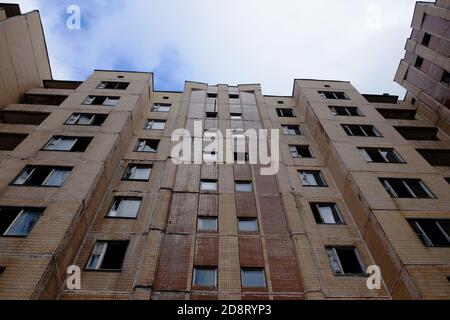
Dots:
{"x": 231, "y": 41}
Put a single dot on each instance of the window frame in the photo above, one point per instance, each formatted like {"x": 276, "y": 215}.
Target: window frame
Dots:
{"x": 102, "y": 256}
{"x": 391, "y": 191}
{"x": 321, "y": 183}
{"x": 338, "y": 260}
{"x": 136, "y": 165}
{"x": 21, "y": 210}
{"x": 315, "y": 208}
{"x": 366, "y": 156}
{"x": 42, "y": 185}
{"x": 204, "y": 268}
{"x": 117, "y": 201}
{"x": 248, "y": 219}
{"x": 248, "y": 269}
{"x": 216, "y": 221}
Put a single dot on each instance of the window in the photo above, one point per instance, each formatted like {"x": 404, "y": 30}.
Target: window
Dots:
{"x": 208, "y": 185}
{"x": 382, "y": 155}
{"x": 207, "y": 224}
{"x": 280, "y": 102}
{"x": 86, "y": 119}
{"x": 70, "y": 144}
{"x": 436, "y": 157}
{"x": 23, "y": 117}
{"x": 113, "y": 85}
{"x": 18, "y": 222}
{"x": 417, "y": 133}
{"x": 285, "y": 112}
{"x": 361, "y": 130}
{"x": 253, "y": 278}
{"x": 298, "y": 151}
{"x": 312, "y": 178}
{"x": 107, "y": 256}
{"x": 248, "y": 225}
{"x": 326, "y": 213}
{"x": 419, "y": 62}
{"x": 205, "y": 276}
{"x": 2, "y": 270}
{"x": 212, "y": 95}
{"x": 345, "y": 111}
{"x": 345, "y": 261}
{"x": 153, "y": 124}
{"x": 147, "y": 145}
{"x": 101, "y": 101}
{"x": 426, "y": 39}
{"x": 448, "y": 180}
{"x": 10, "y": 141}
{"x": 125, "y": 208}
{"x": 432, "y": 232}
{"x": 233, "y": 96}
{"x": 403, "y": 114}
{"x": 36, "y": 176}
{"x": 406, "y": 188}
{"x": 236, "y": 116}
{"x": 243, "y": 186}
{"x": 291, "y": 130}
{"x": 445, "y": 77}
{"x": 211, "y": 114}
{"x": 161, "y": 107}
{"x": 334, "y": 95}
{"x": 137, "y": 172}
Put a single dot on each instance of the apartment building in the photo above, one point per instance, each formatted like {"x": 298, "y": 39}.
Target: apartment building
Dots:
{"x": 87, "y": 179}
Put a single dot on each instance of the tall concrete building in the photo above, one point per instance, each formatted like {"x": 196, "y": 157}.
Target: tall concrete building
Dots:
{"x": 87, "y": 179}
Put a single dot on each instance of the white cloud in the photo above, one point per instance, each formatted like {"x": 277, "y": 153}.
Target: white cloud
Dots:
{"x": 234, "y": 41}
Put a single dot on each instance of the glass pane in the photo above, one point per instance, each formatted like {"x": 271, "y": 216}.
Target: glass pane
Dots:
{"x": 85, "y": 119}
{"x": 204, "y": 277}
{"x": 23, "y": 177}
{"x": 23, "y": 225}
{"x": 141, "y": 173}
{"x": 61, "y": 144}
{"x": 207, "y": 224}
{"x": 209, "y": 185}
{"x": 56, "y": 178}
{"x": 253, "y": 278}
{"x": 248, "y": 225}
{"x": 128, "y": 208}
{"x": 72, "y": 119}
{"x": 158, "y": 125}
{"x": 326, "y": 214}
{"x": 244, "y": 187}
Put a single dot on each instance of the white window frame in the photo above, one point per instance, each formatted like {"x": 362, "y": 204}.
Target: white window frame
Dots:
{"x": 54, "y": 142}
{"x": 100, "y": 254}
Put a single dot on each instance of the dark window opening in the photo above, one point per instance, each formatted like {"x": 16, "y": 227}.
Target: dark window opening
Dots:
{"x": 285, "y": 112}
{"x": 381, "y": 155}
{"x": 101, "y": 101}
{"x": 336, "y": 95}
{"x": 345, "y": 261}
{"x": 397, "y": 114}
{"x": 280, "y": 102}
{"x": 432, "y": 232}
{"x": 312, "y": 178}
{"x": 426, "y": 39}
{"x": 10, "y": 141}
{"x": 44, "y": 99}
{"x": 18, "y": 222}
{"x": 406, "y": 188}
{"x": 417, "y": 133}
{"x": 345, "y": 111}
{"x": 69, "y": 144}
{"x": 436, "y": 157}
{"x": 108, "y": 255}
{"x": 300, "y": 151}
{"x": 419, "y": 62}
{"x": 447, "y": 179}
{"x": 358, "y": 130}
{"x": 165, "y": 98}
{"x": 291, "y": 130}
{"x": 2, "y": 270}
{"x": 61, "y": 84}
{"x": 445, "y": 77}
{"x": 113, "y": 85}
{"x": 326, "y": 213}
{"x": 23, "y": 117}
{"x": 147, "y": 145}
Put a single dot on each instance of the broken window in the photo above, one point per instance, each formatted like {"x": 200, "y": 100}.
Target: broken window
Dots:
{"x": 208, "y": 185}
{"x": 285, "y": 112}
{"x": 448, "y": 180}
{"x": 205, "y": 276}
{"x": 113, "y": 85}
{"x": 23, "y": 117}
{"x": 402, "y": 114}
{"x": 161, "y": 107}
{"x": 300, "y": 151}
{"x": 125, "y": 207}
{"x": 291, "y": 130}
{"x": 336, "y": 95}
{"x": 71, "y": 144}
{"x": 147, "y": 145}
{"x": 247, "y": 225}
{"x": 386, "y": 155}
{"x": 107, "y": 256}
{"x": 18, "y": 222}
{"x": 361, "y": 130}
{"x": 243, "y": 186}
{"x": 253, "y": 278}
{"x": 345, "y": 261}
{"x": 101, "y": 101}
{"x": 432, "y": 232}
{"x": 436, "y": 157}
{"x": 406, "y": 188}
{"x": 326, "y": 213}
{"x": 312, "y": 178}
{"x": 417, "y": 133}
{"x": 137, "y": 172}
{"x": 345, "y": 111}
{"x": 48, "y": 176}
{"x": 207, "y": 224}
{"x": 86, "y": 119}
{"x": 10, "y": 141}
{"x": 155, "y": 124}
